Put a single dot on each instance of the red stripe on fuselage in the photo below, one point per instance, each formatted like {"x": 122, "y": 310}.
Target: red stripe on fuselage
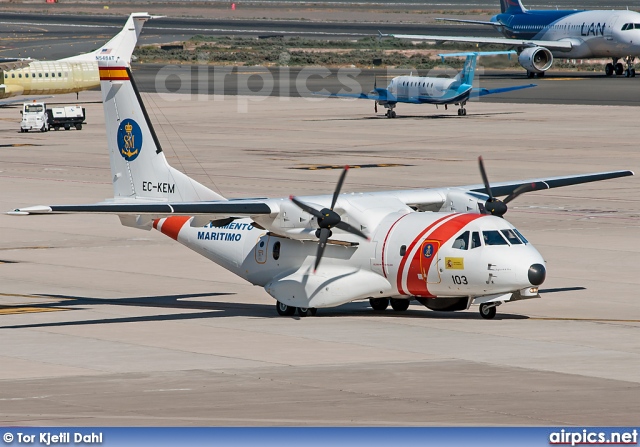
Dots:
{"x": 410, "y": 247}
{"x": 172, "y": 225}
{"x": 417, "y": 286}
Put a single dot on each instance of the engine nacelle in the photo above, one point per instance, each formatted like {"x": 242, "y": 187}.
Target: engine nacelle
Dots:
{"x": 536, "y": 59}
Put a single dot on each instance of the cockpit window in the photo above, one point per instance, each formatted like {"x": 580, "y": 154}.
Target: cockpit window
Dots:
{"x": 511, "y": 237}
{"x": 522, "y": 238}
{"x": 626, "y": 26}
{"x": 475, "y": 240}
{"x": 493, "y": 237}
{"x": 462, "y": 241}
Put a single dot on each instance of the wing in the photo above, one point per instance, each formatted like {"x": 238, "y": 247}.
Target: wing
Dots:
{"x": 506, "y": 188}
{"x": 476, "y": 92}
{"x": 216, "y": 210}
{"x": 550, "y": 44}
{"x": 379, "y": 94}
{"x": 475, "y": 22}
{"x": 13, "y": 63}
{"x": 8, "y": 102}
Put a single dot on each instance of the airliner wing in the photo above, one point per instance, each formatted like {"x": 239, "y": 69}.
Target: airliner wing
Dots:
{"x": 14, "y": 63}
{"x": 475, "y": 22}
{"x": 9, "y": 102}
{"x": 476, "y": 92}
{"x": 380, "y": 94}
{"x": 550, "y": 44}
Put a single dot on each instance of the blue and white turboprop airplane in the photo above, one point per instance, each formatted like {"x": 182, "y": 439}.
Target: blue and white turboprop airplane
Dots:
{"x": 433, "y": 90}
{"x": 541, "y": 35}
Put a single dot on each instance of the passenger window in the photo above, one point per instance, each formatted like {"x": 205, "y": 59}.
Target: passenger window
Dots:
{"x": 403, "y": 250}
{"x": 26, "y": 75}
{"x": 59, "y": 75}
{"x": 462, "y": 241}
{"x": 46, "y": 75}
{"x": 511, "y": 237}
{"x": 39, "y": 75}
{"x": 475, "y": 240}
{"x": 276, "y": 250}
{"x": 53, "y": 75}
{"x": 493, "y": 237}
{"x": 19, "y": 75}
{"x": 13, "y": 75}
{"x": 522, "y": 238}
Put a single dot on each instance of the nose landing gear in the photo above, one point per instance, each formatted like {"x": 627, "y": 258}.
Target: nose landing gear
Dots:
{"x": 488, "y": 310}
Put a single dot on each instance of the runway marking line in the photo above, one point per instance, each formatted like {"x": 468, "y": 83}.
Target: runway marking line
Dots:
{"x": 565, "y": 79}
{"x": 14, "y": 310}
{"x": 327, "y": 167}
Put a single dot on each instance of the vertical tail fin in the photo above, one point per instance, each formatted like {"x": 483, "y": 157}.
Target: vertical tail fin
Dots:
{"x": 139, "y": 168}
{"x": 121, "y": 46}
{"x": 466, "y": 75}
{"x": 512, "y": 6}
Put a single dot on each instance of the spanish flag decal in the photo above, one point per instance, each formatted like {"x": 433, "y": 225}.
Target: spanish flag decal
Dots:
{"x": 113, "y": 74}
{"x": 454, "y": 263}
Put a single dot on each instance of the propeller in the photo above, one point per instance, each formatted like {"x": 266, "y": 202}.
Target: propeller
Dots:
{"x": 496, "y": 206}
{"x": 327, "y": 219}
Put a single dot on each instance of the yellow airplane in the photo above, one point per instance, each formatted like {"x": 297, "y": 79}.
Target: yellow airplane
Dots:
{"x": 72, "y": 74}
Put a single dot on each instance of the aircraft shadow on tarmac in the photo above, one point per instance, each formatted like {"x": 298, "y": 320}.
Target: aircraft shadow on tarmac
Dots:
{"x": 423, "y": 117}
{"x": 222, "y": 309}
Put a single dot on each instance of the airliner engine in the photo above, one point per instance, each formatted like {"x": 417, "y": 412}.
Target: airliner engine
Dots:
{"x": 536, "y": 59}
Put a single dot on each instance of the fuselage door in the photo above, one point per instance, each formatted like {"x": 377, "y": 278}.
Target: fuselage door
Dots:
{"x": 429, "y": 259}
{"x": 608, "y": 28}
{"x": 262, "y": 246}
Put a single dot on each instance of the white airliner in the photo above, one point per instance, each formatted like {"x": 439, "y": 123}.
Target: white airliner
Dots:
{"x": 541, "y": 35}
{"x": 446, "y": 247}
{"x": 72, "y": 74}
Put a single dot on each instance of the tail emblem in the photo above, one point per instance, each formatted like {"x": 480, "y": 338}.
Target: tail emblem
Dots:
{"x": 129, "y": 139}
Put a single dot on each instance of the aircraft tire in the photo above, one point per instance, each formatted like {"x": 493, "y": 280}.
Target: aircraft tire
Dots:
{"x": 393, "y": 114}
{"x": 619, "y": 69}
{"x": 284, "y": 310}
{"x": 306, "y": 311}
{"x": 541, "y": 75}
{"x": 633, "y": 72}
{"x": 487, "y": 311}
{"x": 399, "y": 305}
{"x": 608, "y": 69}
{"x": 379, "y": 304}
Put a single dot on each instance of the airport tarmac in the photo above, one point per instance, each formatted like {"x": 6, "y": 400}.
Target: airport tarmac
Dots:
{"x": 106, "y": 325}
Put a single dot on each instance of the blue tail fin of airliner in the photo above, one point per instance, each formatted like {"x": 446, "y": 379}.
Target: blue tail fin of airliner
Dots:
{"x": 512, "y": 6}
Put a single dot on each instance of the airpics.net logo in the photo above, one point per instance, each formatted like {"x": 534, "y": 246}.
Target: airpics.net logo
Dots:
{"x": 590, "y": 437}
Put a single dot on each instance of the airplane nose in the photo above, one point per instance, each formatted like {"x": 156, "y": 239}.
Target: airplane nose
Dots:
{"x": 537, "y": 274}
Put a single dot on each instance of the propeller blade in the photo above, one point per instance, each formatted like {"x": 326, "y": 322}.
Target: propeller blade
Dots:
{"x": 483, "y": 173}
{"x": 336, "y": 193}
{"x": 325, "y": 233}
{"x": 351, "y": 229}
{"x": 375, "y": 106}
{"x": 306, "y": 207}
{"x": 524, "y": 189}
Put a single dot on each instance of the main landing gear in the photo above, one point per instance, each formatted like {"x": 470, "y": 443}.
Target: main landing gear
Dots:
{"x": 397, "y": 304}
{"x": 531, "y": 75}
{"x": 288, "y": 311}
{"x": 462, "y": 111}
{"x": 619, "y": 70}
{"x": 390, "y": 113}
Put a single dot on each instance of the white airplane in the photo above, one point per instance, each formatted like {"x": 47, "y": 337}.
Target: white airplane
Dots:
{"x": 446, "y": 247}
{"x": 541, "y": 35}
{"x": 432, "y": 90}
{"x": 72, "y": 74}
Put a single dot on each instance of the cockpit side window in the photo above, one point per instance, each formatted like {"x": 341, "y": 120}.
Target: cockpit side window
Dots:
{"x": 493, "y": 237}
{"x": 636, "y": 25}
{"x": 511, "y": 237}
{"x": 462, "y": 241}
{"x": 626, "y": 26}
{"x": 475, "y": 240}
{"x": 522, "y": 238}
